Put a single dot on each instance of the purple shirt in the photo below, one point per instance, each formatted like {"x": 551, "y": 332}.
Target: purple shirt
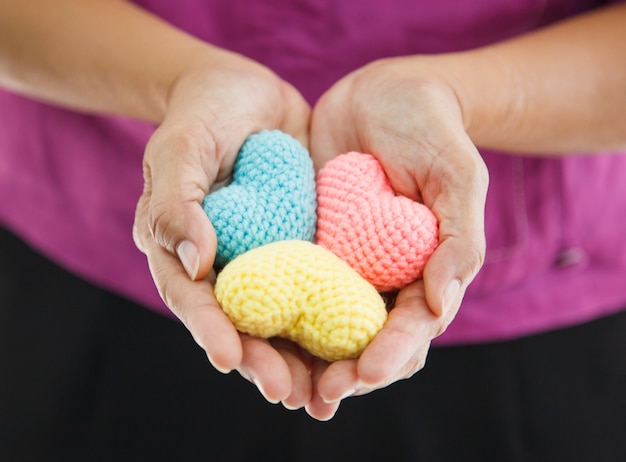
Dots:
{"x": 556, "y": 252}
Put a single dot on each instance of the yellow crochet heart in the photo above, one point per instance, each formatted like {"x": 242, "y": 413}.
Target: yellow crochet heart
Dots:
{"x": 301, "y": 291}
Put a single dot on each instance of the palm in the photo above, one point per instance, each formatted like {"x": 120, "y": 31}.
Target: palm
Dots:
{"x": 414, "y": 128}
{"x": 211, "y": 111}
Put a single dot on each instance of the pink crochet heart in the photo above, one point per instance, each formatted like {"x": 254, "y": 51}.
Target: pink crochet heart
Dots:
{"x": 385, "y": 237}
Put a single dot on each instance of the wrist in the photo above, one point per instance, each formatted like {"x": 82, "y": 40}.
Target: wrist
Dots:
{"x": 488, "y": 91}
{"x": 207, "y": 66}
{"x": 491, "y": 95}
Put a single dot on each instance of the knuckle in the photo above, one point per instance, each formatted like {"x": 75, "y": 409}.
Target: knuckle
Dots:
{"x": 414, "y": 366}
{"x": 476, "y": 259}
{"x": 442, "y": 324}
{"x": 140, "y": 229}
{"x": 160, "y": 225}
{"x": 480, "y": 171}
{"x": 169, "y": 296}
{"x": 139, "y": 237}
{"x": 156, "y": 220}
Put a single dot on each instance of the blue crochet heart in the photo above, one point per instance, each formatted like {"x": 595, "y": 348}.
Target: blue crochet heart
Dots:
{"x": 271, "y": 196}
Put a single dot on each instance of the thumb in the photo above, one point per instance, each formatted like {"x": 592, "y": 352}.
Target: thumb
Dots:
{"x": 459, "y": 207}
{"x": 178, "y": 174}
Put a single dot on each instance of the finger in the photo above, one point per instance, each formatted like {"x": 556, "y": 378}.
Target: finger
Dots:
{"x": 458, "y": 201}
{"x": 194, "y": 303}
{"x": 297, "y": 362}
{"x": 448, "y": 272}
{"x": 410, "y": 326}
{"x": 339, "y": 380}
{"x": 141, "y": 232}
{"x": 178, "y": 174}
{"x": 317, "y": 407}
{"x": 265, "y": 368}
{"x": 296, "y": 117}
{"x": 415, "y": 364}
{"x": 328, "y": 138}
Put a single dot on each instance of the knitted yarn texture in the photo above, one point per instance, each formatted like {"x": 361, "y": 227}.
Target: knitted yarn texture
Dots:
{"x": 277, "y": 281}
{"x": 271, "y": 197}
{"x": 301, "y": 291}
{"x": 386, "y": 238}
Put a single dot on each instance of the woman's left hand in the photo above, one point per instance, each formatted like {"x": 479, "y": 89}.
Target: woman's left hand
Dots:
{"x": 405, "y": 113}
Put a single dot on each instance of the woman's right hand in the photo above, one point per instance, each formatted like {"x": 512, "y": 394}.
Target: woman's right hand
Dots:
{"x": 212, "y": 107}
{"x": 113, "y": 57}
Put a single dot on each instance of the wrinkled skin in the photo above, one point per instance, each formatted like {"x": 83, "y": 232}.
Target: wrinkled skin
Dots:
{"x": 411, "y": 122}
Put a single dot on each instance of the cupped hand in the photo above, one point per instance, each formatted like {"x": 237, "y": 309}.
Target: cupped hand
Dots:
{"x": 212, "y": 107}
{"x": 406, "y": 113}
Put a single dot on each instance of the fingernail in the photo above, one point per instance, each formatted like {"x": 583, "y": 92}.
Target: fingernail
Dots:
{"x": 291, "y": 408}
{"x": 189, "y": 257}
{"x": 450, "y": 294}
{"x": 346, "y": 394}
{"x": 223, "y": 370}
{"x": 262, "y": 391}
{"x": 322, "y": 418}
